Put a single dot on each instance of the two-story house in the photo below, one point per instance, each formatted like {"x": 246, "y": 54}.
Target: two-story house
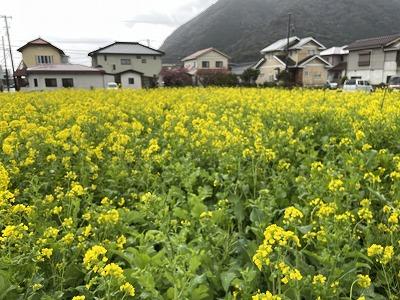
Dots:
{"x": 337, "y": 57}
{"x": 374, "y": 59}
{"x": 297, "y": 56}
{"x": 46, "y": 67}
{"x": 129, "y": 57}
{"x": 207, "y": 59}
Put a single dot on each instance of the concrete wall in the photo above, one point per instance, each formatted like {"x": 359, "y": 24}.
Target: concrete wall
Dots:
{"x": 212, "y": 57}
{"x": 314, "y": 74}
{"x": 137, "y": 81}
{"x": 83, "y": 81}
{"x": 150, "y": 68}
{"x": 298, "y": 55}
{"x": 29, "y": 54}
{"x": 383, "y": 64}
{"x": 268, "y": 70}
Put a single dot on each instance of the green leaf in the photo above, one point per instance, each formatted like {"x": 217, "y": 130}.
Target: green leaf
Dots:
{"x": 226, "y": 279}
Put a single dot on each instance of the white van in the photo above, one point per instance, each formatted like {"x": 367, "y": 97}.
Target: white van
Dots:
{"x": 354, "y": 85}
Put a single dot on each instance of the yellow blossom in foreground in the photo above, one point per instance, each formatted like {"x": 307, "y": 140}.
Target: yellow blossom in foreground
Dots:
{"x": 92, "y": 256}
{"x": 128, "y": 289}
{"x": 319, "y": 279}
{"x": 363, "y": 281}
{"x": 112, "y": 270}
{"x": 265, "y": 296}
{"x": 79, "y": 298}
{"x": 291, "y": 215}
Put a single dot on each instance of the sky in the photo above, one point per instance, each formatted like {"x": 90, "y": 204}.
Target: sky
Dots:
{"x": 81, "y": 26}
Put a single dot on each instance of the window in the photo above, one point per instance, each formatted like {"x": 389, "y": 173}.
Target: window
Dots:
{"x": 50, "y": 82}
{"x": 138, "y": 57}
{"x": 68, "y": 82}
{"x": 205, "y": 64}
{"x": 125, "y": 61}
{"x": 144, "y": 61}
{"x": 195, "y": 64}
{"x": 364, "y": 59}
{"x": 305, "y": 73}
{"x": 155, "y": 57}
{"x": 312, "y": 52}
{"x": 44, "y": 59}
{"x": 219, "y": 64}
{"x": 114, "y": 67}
{"x": 105, "y": 57}
{"x": 317, "y": 75}
{"x": 35, "y": 82}
{"x": 131, "y": 80}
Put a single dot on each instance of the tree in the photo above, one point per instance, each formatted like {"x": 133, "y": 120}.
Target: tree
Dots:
{"x": 176, "y": 77}
{"x": 250, "y": 76}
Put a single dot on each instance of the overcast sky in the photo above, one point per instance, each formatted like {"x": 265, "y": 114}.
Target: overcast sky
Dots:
{"x": 80, "y": 26}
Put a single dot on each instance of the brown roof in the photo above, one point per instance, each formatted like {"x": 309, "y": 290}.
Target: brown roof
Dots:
{"x": 40, "y": 42}
{"x": 372, "y": 43}
{"x": 202, "y": 52}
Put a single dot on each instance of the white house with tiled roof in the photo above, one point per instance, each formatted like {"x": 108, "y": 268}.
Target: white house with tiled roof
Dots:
{"x": 206, "y": 59}
{"x": 299, "y": 56}
{"x": 375, "y": 59}
{"x": 120, "y": 57}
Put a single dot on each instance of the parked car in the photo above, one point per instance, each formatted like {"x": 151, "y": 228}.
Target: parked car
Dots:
{"x": 354, "y": 85}
{"x": 394, "y": 83}
{"x": 112, "y": 86}
{"x": 331, "y": 85}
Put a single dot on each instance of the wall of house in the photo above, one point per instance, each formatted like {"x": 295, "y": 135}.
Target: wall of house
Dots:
{"x": 314, "y": 74}
{"x": 29, "y": 54}
{"x": 137, "y": 81}
{"x": 150, "y": 68}
{"x": 212, "y": 57}
{"x": 268, "y": 71}
{"x": 383, "y": 65}
{"x": 82, "y": 81}
{"x": 307, "y": 50}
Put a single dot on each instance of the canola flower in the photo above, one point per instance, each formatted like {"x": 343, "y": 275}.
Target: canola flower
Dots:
{"x": 93, "y": 182}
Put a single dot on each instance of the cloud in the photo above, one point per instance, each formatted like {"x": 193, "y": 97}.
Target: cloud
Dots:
{"x": 181, "y": 15}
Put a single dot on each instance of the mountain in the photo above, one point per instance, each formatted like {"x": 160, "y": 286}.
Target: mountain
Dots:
{"x": 241, "y": 28}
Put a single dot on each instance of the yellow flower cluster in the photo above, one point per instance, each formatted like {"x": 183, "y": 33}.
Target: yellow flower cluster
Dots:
{"x": 274, "y": 236}
{"x": 265, "y": 296}
{"x": 383, "y": 254}
{"x": 292, "y": 215}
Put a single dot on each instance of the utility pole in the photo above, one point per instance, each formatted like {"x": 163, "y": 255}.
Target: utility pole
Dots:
{"x": 5, "y": 63}
{"x": 11, "y": 55}
{"x": 288, "y": 39}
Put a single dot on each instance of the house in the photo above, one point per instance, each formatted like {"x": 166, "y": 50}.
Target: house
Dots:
{"x": 120, "y": 57}
{"x": 206, "y": 59}
{"x": 299, "y": 57}
{"x": 374, "y": 59}
{"x": 337, "y": 57}
{"x": 53, "y": 76}
{"x": 39, "y": 52}
{"x": 239, "y": 68}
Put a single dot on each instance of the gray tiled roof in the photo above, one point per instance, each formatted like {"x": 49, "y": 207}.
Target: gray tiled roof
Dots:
{"x": 62, "y": 68}
{"x": 371, "y": 43}
{"x": 127, "y": 48}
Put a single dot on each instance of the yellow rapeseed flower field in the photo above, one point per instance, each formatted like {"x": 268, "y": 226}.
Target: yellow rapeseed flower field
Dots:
{"x": 216, "y": 193}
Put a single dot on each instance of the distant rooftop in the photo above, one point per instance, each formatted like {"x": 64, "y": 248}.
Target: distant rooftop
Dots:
{"x": 40, "y": 42}
{"x": 375, "y": 42}
{"x": 281, "y": 44}
{"x": 62, "y": 68}
{"x": 202, "y": 52}
{"x": 335, "y": 51}
{"x": 294, "y": 43}
{"x": 127, "y": 48}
